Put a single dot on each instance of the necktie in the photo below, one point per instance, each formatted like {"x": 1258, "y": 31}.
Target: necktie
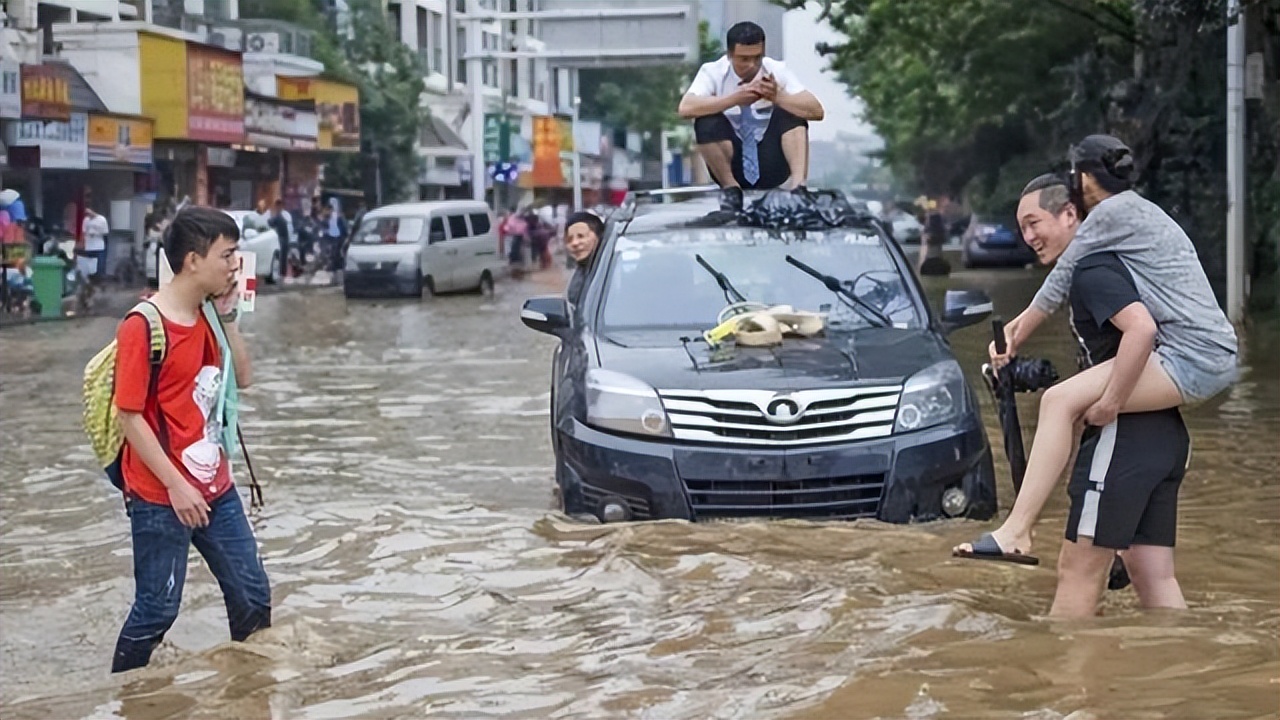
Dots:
{"x": 750, "y": 146}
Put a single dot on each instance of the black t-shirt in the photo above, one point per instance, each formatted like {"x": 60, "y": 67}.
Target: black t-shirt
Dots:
{"x": 1101, "y": 286}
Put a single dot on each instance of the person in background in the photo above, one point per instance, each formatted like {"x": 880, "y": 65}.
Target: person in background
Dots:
{"x": 516, "y": 230}
{"x": 333, "y": 233}
{"x": 93, "y": 257}
{"x": 282, "y": 222}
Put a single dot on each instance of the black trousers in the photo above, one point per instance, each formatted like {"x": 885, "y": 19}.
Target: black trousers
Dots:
{"x": 774, "y": 170}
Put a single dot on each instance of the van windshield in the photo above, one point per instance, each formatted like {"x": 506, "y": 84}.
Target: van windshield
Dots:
{"x": 387, "y": 230}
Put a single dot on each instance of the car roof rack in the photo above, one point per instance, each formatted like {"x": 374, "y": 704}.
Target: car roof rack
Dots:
{"x": 627, "y": 209}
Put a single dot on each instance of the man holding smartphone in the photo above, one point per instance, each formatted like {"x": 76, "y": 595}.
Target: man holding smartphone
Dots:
{"x": 751, "y": 117}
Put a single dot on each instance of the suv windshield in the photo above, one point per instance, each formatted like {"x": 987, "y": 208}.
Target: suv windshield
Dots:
{"x": 386, "y": 230}
{"x": 655, "y": 280}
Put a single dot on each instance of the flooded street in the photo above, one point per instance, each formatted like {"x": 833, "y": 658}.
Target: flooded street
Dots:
{"x": 419, "y": 567}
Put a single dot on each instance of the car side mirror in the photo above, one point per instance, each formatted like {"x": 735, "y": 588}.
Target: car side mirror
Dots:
{"x": 962, "y": 308}
{"x": 250, "y": 233}
{"x": 547, "y": 314}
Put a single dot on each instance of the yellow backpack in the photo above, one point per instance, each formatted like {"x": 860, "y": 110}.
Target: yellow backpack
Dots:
{"x": 100, "y": 421}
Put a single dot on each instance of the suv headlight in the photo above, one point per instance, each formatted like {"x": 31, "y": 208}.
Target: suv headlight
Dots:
{"x": 624, "y": 404}
{"x": 931, "y": 397}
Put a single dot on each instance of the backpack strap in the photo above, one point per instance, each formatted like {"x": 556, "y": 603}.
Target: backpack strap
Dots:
{"x": 155, "y": 323}
{"x": 159, "y": 341}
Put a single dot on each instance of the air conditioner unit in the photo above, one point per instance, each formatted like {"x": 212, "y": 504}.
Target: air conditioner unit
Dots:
{"x": 262, "y": 42}
{"x": 227, "y": 37}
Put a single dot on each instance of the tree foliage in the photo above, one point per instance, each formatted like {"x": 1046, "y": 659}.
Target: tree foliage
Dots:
{"x": 974, "y": 97}
{"x": 643, "y": 98}
{"x": 389, "y": 77}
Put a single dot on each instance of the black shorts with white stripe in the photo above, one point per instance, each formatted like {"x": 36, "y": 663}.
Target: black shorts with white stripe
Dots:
{"x": 1124, "y": 486}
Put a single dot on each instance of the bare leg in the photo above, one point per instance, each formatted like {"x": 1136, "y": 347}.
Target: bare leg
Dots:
{"x": 795, "y": 148}
{"x": 1082, "y": 568}
{"x": 1151, "y": 569}
{"x": 1060, "y": 408}
{"x": 719, "y": 159}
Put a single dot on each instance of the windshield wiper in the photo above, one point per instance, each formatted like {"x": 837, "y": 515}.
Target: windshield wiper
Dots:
{"x": 834, "y": 285}
{"x": 731, "y": 293}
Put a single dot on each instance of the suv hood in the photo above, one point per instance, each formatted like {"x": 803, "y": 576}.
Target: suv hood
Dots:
{"x": 869, "y": 355}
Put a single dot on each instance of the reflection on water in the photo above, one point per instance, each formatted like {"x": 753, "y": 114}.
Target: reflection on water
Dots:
{"x": 418, "y": 567}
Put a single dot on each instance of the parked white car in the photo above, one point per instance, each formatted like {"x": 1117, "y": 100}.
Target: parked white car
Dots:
{"x": 255, "y": 237}
{"x": 906, "y": 229}
{"x": 426, "y": 247}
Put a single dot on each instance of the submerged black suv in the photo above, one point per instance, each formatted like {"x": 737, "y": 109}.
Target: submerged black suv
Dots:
{"x": 870, "y": 418}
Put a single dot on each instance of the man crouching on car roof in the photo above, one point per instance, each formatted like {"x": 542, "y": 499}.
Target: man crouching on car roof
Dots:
{"x": 751, "y": 117}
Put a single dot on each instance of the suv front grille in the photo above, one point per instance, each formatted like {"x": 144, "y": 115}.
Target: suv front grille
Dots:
{"x": 763, "y": 417}
{"x": 843, "y": 498}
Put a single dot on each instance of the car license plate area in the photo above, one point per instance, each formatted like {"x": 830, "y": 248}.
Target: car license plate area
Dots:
{"x": 741, "y": 487}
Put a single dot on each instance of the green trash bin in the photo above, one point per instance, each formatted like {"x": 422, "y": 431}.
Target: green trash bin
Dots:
{"x": 46, "y": 279}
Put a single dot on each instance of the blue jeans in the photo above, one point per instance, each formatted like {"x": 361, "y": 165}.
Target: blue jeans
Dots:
{"x": 161, "y": 544}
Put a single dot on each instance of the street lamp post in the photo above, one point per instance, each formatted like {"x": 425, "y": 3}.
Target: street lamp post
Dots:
{"x": 1237, "y": 290}
{"x": 475, "y": 81}
{"x": 577, "y": 156}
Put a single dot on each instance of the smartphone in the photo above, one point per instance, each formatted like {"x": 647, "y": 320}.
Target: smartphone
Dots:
{"x": 247, "y": 279}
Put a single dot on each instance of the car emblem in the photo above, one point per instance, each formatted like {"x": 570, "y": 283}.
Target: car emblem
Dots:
{"x": 782, "y": 411}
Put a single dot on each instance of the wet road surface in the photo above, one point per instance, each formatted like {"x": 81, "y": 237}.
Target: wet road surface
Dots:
{"x": 419, "y": 567}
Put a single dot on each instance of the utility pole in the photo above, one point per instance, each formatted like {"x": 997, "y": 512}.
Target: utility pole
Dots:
{"x": 577, "y": 155}
{"x": 1237, "y": 280}
{"x": 475, "y": 82}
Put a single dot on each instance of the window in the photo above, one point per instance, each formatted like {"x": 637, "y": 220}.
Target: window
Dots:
{"x": 437, "y": 230}
{"x": 461, "y": 50}
{"x": 437, "y": 42}
{"x": 479, "y": 223}
{"x": 424, "y": 34}
{"x": 388, "y": 230}
{"x": 393, "y": 17}
{"x": 458, "y": 226}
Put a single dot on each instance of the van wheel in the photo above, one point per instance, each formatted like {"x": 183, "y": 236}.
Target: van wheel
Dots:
{"x": 485, "y": 288}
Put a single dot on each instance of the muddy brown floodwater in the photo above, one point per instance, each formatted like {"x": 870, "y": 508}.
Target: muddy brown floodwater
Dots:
{"x": 419, "y": 567}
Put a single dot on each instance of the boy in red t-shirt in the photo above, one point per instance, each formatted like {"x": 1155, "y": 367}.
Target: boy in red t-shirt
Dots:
{"x": 177, "y": 478}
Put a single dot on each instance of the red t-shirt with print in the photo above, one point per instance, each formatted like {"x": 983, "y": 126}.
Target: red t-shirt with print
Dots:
{"x": 186, "y": 392}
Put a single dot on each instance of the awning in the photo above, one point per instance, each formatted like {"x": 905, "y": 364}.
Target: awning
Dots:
{"x": 439, "y": 140}
{"x": 83, "y": 98}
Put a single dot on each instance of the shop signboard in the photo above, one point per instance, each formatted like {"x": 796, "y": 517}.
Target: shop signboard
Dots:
{"x": 119, "y": 140}
{"x": 546, "y": 152}
{"x": 10, "y": 89}
{"x": 46, "y": 92}
{"x": 337, "y": 110}
{"x": 215, "y": 94}
{"x": 63, "y": 144}
{"x": 275, "y": 123}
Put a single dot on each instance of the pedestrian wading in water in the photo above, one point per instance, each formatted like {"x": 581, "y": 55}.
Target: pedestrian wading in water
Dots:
{"x": 177, "y": 479}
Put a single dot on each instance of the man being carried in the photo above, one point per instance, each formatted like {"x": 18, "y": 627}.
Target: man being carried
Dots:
{"x": 751, "y": 117}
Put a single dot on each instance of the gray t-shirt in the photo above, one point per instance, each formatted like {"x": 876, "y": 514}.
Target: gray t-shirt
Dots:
{"x": 1166, "y": 270}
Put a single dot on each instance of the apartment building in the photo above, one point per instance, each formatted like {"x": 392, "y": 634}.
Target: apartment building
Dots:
{"x": 444, "y": 33}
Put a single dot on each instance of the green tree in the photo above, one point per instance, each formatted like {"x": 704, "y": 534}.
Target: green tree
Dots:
{"x": 644, "y": 98}
{"x": 974, "y": 97}
{"x": 389, "y": 77}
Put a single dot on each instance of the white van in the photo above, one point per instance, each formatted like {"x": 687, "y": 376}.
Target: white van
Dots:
{"x": 430, "y": 247}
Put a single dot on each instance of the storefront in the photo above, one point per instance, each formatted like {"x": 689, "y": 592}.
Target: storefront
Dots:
{"x": 195, "y": 93}
{"x": 287, "y": 132}
{"x": 337, "y": 108}
{"x": 119, "y": 182}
